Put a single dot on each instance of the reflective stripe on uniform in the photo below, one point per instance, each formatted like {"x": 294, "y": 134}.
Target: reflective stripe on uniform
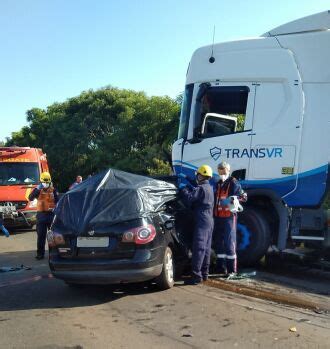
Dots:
{"x": 221, "y": 256}
{"x": 231, "y": 257}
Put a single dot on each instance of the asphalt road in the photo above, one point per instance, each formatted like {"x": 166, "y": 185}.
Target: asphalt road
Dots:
{"x": 38, "y": 311}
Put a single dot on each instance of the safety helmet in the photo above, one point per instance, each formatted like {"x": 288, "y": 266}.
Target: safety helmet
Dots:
{"x": 205, "y": 170}
{"x": 45, "y": 177}
{"x": 234, "y": 205}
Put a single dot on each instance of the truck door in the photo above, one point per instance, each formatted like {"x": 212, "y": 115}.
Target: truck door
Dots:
{"x": 275, "y": 138}
{"x": 178, "y": 146}
{"x": 212, "y": 136}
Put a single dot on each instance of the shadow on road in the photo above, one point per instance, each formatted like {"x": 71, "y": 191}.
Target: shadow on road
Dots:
{"x": 17, "y": 231}
{"x": 36, "y": 289}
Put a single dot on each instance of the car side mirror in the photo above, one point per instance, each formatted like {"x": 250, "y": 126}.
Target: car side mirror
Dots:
{"x": 169, "y": 225}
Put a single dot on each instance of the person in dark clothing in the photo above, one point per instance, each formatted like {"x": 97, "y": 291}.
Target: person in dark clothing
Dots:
{"x": 201, "y": 199}
{"x": 77, "y": 182}
{"x": 47, "y": 198}
{"x": 225, "y": 220}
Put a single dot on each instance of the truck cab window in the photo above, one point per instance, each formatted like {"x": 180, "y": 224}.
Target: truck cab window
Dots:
{"x": 185, "y": 111}
{"x": 222, "y": 111}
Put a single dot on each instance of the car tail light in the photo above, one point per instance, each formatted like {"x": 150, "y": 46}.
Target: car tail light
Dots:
{"x": 55, "y": 239}
{"x": 140, "y": 235}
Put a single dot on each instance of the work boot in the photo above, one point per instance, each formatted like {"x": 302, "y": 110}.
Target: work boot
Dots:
{"x": 39, "y": 256}
{"x": 205, "y": 277}
{"x": 193, "y": 281}
{"x": 221, "y": 266}
{"x": 221, "y": 270}
{"x": 232, "y": 266}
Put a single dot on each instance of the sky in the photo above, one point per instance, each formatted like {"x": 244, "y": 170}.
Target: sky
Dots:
{"x": 52, "y": 50}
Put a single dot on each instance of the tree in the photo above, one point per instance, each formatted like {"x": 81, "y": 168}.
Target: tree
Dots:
{"x": 105, "y": 128}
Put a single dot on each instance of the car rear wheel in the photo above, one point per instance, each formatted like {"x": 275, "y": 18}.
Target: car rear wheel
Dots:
{"x": 166, "y": 279}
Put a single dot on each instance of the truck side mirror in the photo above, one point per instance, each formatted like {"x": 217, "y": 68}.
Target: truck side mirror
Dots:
{"x": 197, "y": 136}
{"x": 194, "y": 140}
{"x": 218, "y": 125}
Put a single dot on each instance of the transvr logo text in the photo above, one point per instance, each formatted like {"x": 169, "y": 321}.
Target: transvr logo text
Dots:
{"x": 231, "y": 153}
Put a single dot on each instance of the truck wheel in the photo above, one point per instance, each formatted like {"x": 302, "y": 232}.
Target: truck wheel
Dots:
{"x": 166, "y": 279}
{"x": 253, "y": 236}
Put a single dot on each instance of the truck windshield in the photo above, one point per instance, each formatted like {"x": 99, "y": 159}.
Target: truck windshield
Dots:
{"x": 185, "y": 111}
{"x": 17, "y": 173}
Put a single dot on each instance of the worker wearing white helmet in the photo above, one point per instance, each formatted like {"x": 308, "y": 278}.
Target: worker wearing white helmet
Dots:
{"x": 229, "y": 194}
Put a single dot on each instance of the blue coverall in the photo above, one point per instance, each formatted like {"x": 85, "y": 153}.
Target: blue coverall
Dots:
{"x": 201, "y": 199}
{"x": 225, "y": 229}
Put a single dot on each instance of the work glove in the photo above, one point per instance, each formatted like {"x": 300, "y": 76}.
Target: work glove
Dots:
{"x": 182, "y": 175}
{"x": 182, "y": 185}
{"x": 242, "y": 197}
{"x": 40, "y": 186}
{"x": 225, "y": 202}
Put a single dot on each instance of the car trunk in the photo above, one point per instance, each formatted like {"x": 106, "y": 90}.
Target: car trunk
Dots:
{"x": 100, "y": 244}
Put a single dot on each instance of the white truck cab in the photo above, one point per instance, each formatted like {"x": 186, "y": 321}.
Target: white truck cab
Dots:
{"x": 263, "y": 105}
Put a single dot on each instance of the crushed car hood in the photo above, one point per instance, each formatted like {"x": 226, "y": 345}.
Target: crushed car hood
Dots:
{"x": 111, "y": 197}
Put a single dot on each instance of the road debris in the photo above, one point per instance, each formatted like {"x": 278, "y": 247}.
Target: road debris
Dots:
{"x": 8, "y": 269}
{"x": 241, "y": 276}
{"x": 262, "y": 294}
{"x": 187, "y": 335}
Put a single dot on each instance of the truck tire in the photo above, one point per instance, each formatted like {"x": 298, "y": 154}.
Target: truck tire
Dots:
{"x": 166, "y": 279}
{"x": 253, "y": 236}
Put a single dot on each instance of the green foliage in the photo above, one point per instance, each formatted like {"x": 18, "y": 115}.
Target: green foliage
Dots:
{"x": 109, "y": 127}
{"x": 240, "y": 121}
{"x": 326, "y": 202}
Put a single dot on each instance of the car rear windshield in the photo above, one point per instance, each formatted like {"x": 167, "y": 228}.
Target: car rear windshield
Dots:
{"x": 14, "y": 173}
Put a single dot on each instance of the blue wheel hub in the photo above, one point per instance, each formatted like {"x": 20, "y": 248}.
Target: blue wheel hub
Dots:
{"x": 245, "y": 236}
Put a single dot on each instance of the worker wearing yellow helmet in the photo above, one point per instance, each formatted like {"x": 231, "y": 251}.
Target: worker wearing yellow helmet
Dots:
{"x": 47, "y": 197}
{"x": 201, "y": 199}
{"x": 45, "y": 177}
{"x": 205, "y": 170}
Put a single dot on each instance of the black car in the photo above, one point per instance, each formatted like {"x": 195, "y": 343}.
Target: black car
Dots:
{"x": 116, "y": 227}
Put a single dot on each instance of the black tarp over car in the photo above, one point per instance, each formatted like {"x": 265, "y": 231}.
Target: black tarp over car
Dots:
{"x": 110, "y": 197}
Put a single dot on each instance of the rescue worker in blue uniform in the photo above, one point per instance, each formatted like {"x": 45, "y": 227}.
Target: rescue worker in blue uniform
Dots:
{"x": 47, "y": 198}
{"x": 201, "y": 199}
{"x": 225, "y": 221}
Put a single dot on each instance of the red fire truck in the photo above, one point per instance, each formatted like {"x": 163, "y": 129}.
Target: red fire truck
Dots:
{"x": 20, "y": 169}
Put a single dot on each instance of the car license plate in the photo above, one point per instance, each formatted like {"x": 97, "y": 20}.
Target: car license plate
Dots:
{"x": 92, "y": 241}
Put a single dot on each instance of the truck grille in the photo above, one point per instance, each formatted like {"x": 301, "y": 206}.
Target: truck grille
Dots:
{"x": 18, "y": 204}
